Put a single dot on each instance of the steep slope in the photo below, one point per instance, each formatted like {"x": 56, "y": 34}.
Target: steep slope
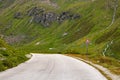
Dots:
{"x": 63, "y": 26}
{"x": 10, "y": 57}
{"x": 21, "y": 25}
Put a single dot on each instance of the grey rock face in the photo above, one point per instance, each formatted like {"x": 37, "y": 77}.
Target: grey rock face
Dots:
{"x": 63, "y": 16}
{"x": 40, "y": 16}
{"x": 68, "y": 15}
{"x": 45, "y": 19}
{"x": 37, "y": 18}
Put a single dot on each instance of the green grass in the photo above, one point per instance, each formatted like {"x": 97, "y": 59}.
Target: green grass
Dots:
{"x": 10, "y": 57}
{"x": 93, "y": 25}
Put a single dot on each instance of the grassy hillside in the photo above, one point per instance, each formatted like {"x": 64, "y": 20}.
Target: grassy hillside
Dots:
{"x": 98, "y": 22}
{"x": 10, "y": 57}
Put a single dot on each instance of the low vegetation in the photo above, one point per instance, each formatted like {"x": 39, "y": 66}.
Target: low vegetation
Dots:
{"x": 10, "y": 57}
{"x": 98, "y": 21}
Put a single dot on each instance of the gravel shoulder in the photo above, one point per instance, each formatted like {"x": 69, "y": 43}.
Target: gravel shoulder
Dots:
{"x": 104, "y": 70}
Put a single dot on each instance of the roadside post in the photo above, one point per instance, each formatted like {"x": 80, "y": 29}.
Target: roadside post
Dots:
{"x": 87, "y": 45}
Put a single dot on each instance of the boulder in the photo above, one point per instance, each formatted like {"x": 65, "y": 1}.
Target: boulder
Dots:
{"x": 51, "y": 17}
{"x": 37, "y": 18}
{"x": 18, "y": 15}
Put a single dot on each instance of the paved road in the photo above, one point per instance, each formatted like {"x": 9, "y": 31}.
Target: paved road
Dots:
{"x": 52, "y": 67}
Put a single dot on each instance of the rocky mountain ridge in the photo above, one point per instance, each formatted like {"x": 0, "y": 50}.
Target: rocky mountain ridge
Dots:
{"x": 40, "y": 16}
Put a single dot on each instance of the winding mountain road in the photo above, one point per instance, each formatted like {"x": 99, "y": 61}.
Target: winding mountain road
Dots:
{"x": 52, "y": 67}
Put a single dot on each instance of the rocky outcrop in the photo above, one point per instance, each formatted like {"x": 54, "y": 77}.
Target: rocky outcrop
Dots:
{"x": 67, "y": 15}
{"x": 40, "y": 16}
{"x": 45, "y": 19}
{"x": 18, "y": 15}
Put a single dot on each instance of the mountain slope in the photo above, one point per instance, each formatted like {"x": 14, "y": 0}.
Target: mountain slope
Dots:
{"x": 63, "y": 26}
{"x": 10, "y": 57}
{"x": 96, "y": 16}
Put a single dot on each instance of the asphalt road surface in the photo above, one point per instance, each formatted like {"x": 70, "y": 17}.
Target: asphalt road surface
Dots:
{"x": 52, "y": 67}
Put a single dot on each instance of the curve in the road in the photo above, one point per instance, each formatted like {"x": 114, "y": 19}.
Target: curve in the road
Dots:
{"x": 52, "y": 67}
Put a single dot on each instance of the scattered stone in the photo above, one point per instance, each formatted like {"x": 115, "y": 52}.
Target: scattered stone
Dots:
{"x": 31, "y": 20}
{"x": 28, "y": 55}
{"x": 98, "y": 61}
{"x": 51, "y": 48}
{"x": 18, "y": 15}
{"x": 2, "y": 48}
{"x": 65, "y": 34}
{"x": 37, "y": 43}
